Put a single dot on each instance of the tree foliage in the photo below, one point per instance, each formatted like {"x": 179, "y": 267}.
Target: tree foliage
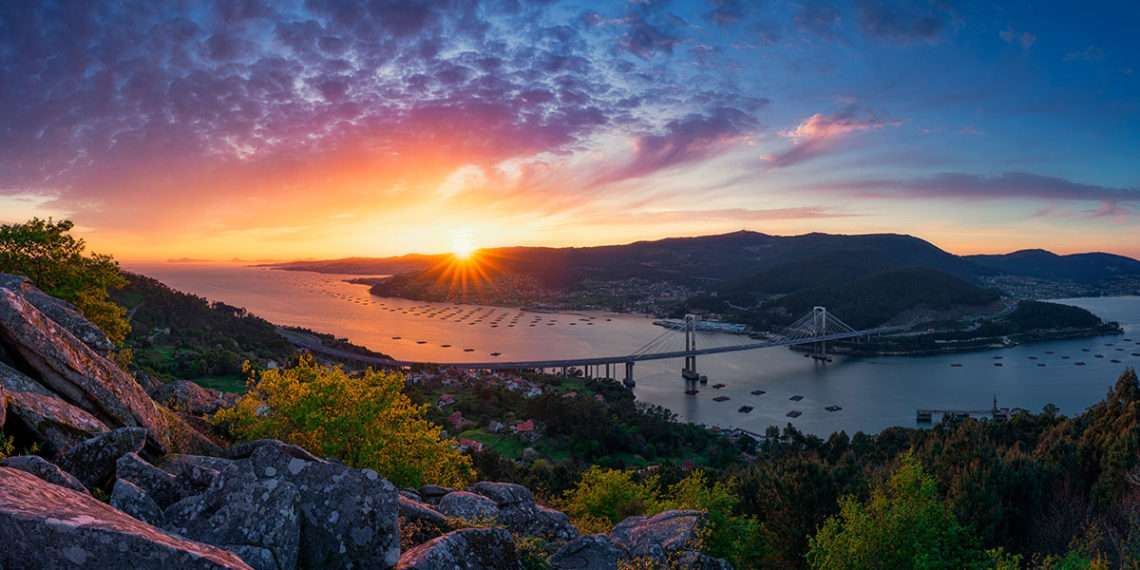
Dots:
{"x": 55, "y": 261}
{"x": 904, "y": 524}
{"x": 605, "y": 497}
{"x": 364, "y": 421}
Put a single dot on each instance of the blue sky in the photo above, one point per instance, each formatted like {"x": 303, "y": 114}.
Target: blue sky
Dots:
{"x": 314, "y": 129}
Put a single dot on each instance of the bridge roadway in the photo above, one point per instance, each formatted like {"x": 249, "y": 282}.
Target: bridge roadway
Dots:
{"x": 591, "y": 361}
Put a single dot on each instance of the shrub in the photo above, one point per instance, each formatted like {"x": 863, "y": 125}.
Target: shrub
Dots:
{"x": 364, "y": 421}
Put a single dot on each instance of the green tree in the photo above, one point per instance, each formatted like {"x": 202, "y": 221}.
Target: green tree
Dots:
{"x": 45, "y": 252}
{"x": 605, "y": 497}
{"x": 364, "y": 421}
{"x": 737, "y": 538}
{"x": 904, "y": 524}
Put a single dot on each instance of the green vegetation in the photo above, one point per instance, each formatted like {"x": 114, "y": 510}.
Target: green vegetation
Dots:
{"x": 904, "y": 524}
{"x": 55, "y": 261}
{"x": 176, "y": 334}
{"x": 365, "y": 421}
{"x": 605, "y": 497}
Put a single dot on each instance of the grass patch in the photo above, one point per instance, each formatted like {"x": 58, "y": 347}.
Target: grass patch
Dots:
{"x": 506, "y": 445}
{"x": 233, "y": 383}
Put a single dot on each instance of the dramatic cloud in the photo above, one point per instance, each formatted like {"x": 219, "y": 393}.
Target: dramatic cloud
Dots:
{"x": 819, "y": 133}
{"x": 905, "y": 21}
{"x": 1010, "y": 185}
{"x": 685, "y": 140}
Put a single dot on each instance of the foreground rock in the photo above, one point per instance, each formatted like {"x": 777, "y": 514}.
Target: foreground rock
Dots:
{"x": 75, "y": 372}
{"x": 134, "y": 501}
{"x": 519, "y": 512}
{"x": 186, "y": 396}
{"x": 659, "y": 536}
{"x": 62, "y": 312}
{"x": 59, "y": 528}
{"x": 93, "y": 461}
{"x": 466, "y": 549}
{"x": 239, "y": 510}
{"x": 305, "y": 512}
{"x": 40, "y": 415}
{"x": 45, "y": 470}
{"x": 596, "y": 552}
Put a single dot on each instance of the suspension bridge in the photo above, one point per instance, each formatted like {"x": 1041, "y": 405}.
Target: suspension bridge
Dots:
{"x": 815, "y": 329}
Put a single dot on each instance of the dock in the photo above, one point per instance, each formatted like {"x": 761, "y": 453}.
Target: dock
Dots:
{"x": 926, "y": 415}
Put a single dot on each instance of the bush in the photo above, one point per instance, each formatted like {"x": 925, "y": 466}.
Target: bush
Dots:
{"x": 605, "y": 497}
{"x": 364, "y": 421}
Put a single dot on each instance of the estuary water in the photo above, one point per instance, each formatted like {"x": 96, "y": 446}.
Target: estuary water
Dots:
{"x": 873, "y": 393}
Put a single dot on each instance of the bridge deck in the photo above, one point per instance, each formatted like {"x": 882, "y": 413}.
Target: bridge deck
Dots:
{"x": 592, "y": 361}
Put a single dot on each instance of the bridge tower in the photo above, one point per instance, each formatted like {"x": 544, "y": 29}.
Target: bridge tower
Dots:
{"x": 689, "y": 371}
{"x": 819, "y": 328}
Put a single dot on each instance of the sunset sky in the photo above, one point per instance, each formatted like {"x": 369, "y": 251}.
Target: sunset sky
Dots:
{"x": 270, "y": 130}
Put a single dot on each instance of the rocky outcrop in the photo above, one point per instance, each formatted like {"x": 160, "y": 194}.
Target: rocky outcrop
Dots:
{"x": 659, "y": 536}
{"x": 468, "y": 506}
{"x": 466, "y": 549}
{"x": 160, "y": 485}
{"x": 49, "y": 526}
{"x": 134, "y": 501}
{"x": 42, "y": 416}
{"x": 45, "y": 470}
{"x": 75, "y": 372}
{"x": 302, "y": 510}
{"x": 595, "y": 552}
{"x": 93, "y": 461}
{"x": 186, "y": 396}
{"x": 60, "y": 311}
{"x": 518, "y": 511}
{"x": 241, "y": 510}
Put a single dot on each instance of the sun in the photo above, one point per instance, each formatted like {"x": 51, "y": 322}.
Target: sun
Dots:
{"x": 462, "y": 246}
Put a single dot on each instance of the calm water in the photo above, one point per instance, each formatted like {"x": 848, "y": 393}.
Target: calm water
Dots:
{"x": 873, "y": 392}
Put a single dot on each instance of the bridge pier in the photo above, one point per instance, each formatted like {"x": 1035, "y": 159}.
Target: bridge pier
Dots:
{"x": 628, "y": 381}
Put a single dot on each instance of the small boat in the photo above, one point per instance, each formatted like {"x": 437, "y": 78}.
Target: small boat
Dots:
{"x": 745, "y": 409}
{"x": 721, "y": 399}
{"x": 956, "y": 365}
{"x": 796, "y": 398}
{"x": 1041, "y": 365}
{"x": 1098, "y": 356}
{"x": 794, "y": 414}
{"x": 1032, "y": 358}
{"x": 421, "y": 342}
{"x": 469, "y": 350}
{"x": 1114, "y": 361}
{"x": 757, "y": 392}
{"x": 1080, "y": 364}
{"x": 445, "y": 346}
{"x": 833, "y": 408}
{"x": 1084, "y": 350}
{"x": 496, "y": 354}
{"x": 395, "y": 338}
{"x": 998, "y": 357}
{"x": 998, "y": 364}
{"x": 1064, "y": 358}
{"x": 718, "y": 386}
{"x": 1049, "y": 352}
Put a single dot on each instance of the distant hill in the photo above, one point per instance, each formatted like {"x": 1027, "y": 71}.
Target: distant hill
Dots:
{"x": 724, "y": 258}
{"x": 754, "y": 277}
{"x": 875, "y": 299}
{"x": 1042, "y": 264}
